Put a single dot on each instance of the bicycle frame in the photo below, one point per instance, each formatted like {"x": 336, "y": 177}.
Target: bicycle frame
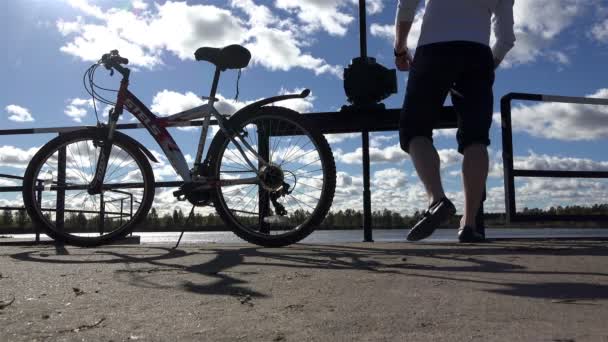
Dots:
{"x": 157, "y": 127}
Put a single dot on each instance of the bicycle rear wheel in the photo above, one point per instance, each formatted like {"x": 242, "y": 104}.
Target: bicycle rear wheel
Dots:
{"x": 56, "y": 181}
{"x": 294, "y": 191}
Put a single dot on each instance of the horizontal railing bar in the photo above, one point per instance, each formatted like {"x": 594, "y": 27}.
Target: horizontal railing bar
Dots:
{"x": 11, "y": 189}
{"x": 560, "y": 174}
{"x": 69, "y": 211}
{"x": 578, "y": 218}
{"x": 10, "y": 176}
{"x": 351, "y": 121}
{"x": 172, "y": 184}
{"x": 556, "y": 98}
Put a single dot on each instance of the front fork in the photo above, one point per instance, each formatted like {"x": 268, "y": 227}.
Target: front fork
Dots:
{"x": 96, "y": 185}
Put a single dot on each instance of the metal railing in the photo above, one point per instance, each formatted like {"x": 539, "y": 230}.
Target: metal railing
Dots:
{"x": 510, "y": 172}
{"x": 361, "y": 121}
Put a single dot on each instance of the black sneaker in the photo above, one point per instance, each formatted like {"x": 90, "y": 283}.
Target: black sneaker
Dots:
{"x": 437, "y": 214}
{"x": 469, "y": 235}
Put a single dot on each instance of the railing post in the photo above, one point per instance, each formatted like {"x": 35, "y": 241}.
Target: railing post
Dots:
{"x": 102, "y": 213}
{"x": 36, "y": 228}
{"x": 507, "y": 157}
{"x": 479, "y": 219}
{"x": 60, "y": 209}
{"x": 263, "y": 198}
{"x": 367, "y": 202}
{"x": 121, "y": 209}
{"x": 362, "y": 29}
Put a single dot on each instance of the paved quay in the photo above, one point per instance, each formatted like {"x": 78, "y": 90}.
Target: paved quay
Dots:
{"x": 508, "y": 290}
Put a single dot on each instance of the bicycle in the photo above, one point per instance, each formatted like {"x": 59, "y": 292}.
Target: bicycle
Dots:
{"x": 268, "y": 193}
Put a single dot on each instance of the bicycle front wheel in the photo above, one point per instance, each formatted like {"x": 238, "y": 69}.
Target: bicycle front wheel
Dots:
{"x": 56, "y": 182}
{"x": 295, "y": 185}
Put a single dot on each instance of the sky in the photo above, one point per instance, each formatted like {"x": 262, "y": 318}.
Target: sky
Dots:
{"x": 561, "y": 49}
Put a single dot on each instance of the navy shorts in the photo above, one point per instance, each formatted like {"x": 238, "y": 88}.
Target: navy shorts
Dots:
{"x": 468, "y": 68}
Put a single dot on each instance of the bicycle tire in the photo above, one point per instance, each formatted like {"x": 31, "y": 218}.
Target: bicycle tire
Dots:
{"x": 30, "y": 187}
{"x": 221, "y": 141}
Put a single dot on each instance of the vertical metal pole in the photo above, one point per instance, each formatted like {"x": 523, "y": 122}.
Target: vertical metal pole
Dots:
{"x": 36, "y": 228}
{"x": 507, "y": 158}
{"x": 60, "y": 210}
{"x": 131, "y": 211}
{"x": 362, "y": 29}
{"x": 102, "y": 213}
{"x": 121, "y": 205}
{"x": 264, "y": 152}
{"x": 367, "y": 202}
{"x": 479, "y": 220}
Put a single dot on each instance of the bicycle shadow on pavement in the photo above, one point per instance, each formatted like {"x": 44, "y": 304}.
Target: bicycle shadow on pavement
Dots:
{"x": 437, "y": 261}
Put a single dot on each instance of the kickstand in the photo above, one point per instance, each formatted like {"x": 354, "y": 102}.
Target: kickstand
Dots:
{"x": 190, "y": 216}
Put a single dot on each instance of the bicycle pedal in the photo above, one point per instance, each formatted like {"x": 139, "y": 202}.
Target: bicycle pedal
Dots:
{"x": 276, "y": 219}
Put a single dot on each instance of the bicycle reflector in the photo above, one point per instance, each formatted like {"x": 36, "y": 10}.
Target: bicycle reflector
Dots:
{"x": 367, "y": 82}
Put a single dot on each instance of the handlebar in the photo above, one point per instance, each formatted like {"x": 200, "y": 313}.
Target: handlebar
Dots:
{"x": 113, "y": 58}
{"x": 113, "y": 61}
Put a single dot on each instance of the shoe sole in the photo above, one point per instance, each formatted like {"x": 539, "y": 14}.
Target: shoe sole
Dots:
{"x": 420, "y": 233}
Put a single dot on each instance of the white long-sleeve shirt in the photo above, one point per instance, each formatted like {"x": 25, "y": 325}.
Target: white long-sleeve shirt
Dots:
{"x": 463, "y": 20}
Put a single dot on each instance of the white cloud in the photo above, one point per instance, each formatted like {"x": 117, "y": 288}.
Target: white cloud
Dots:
{"x": 388, "y": 31}
{"x": 7, "y": 182}
{"x": 338, "y": 138}
{"x": 168, "y": 102}
{"x": 12, "y": 156}
{"x": 600, "y": 31}
{"x": 538, "y": 24}
{"x": 390, "y": 178}
{"x": 319, "y": 15}
{"x": 449, "y": 157}
{"x": 545, "y": 193}
{"x": 390, "y": 154}
{"x": 278, "y": 49}
{"x": 379, "y": 140}
{"x": 546, "y": 162}
{"x": 19, "y": 114}
{"x": 139, "y": 4}
{"x": 77, "y": 108}
{"x": 563, "y": 121}
{"x": 145, "y": 35}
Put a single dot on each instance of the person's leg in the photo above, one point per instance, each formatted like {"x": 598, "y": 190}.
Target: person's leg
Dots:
{"x": 474, "y": 175}
{"x": 427, "y": 164}
{"x": 474, "y": 108}
{"x": 429, "y": 81}
{"x": 432, "y": 75}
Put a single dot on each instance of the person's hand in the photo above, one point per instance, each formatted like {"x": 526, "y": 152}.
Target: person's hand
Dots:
{"x": 403, "y": 59}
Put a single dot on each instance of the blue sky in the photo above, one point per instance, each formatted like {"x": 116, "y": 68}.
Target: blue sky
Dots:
{"x": 561, "y": 48}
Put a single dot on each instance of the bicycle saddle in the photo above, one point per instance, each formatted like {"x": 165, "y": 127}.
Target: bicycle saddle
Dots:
{"x": 229, "y": 57}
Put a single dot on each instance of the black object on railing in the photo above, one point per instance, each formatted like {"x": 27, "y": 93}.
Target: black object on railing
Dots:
{"x": 510, "y": 172}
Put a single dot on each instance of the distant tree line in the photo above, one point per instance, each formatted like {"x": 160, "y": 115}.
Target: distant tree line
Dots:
{"x": 17, "y": 221}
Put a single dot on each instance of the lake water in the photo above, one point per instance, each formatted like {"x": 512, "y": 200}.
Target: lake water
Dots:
{"x": 379, "y": 235}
